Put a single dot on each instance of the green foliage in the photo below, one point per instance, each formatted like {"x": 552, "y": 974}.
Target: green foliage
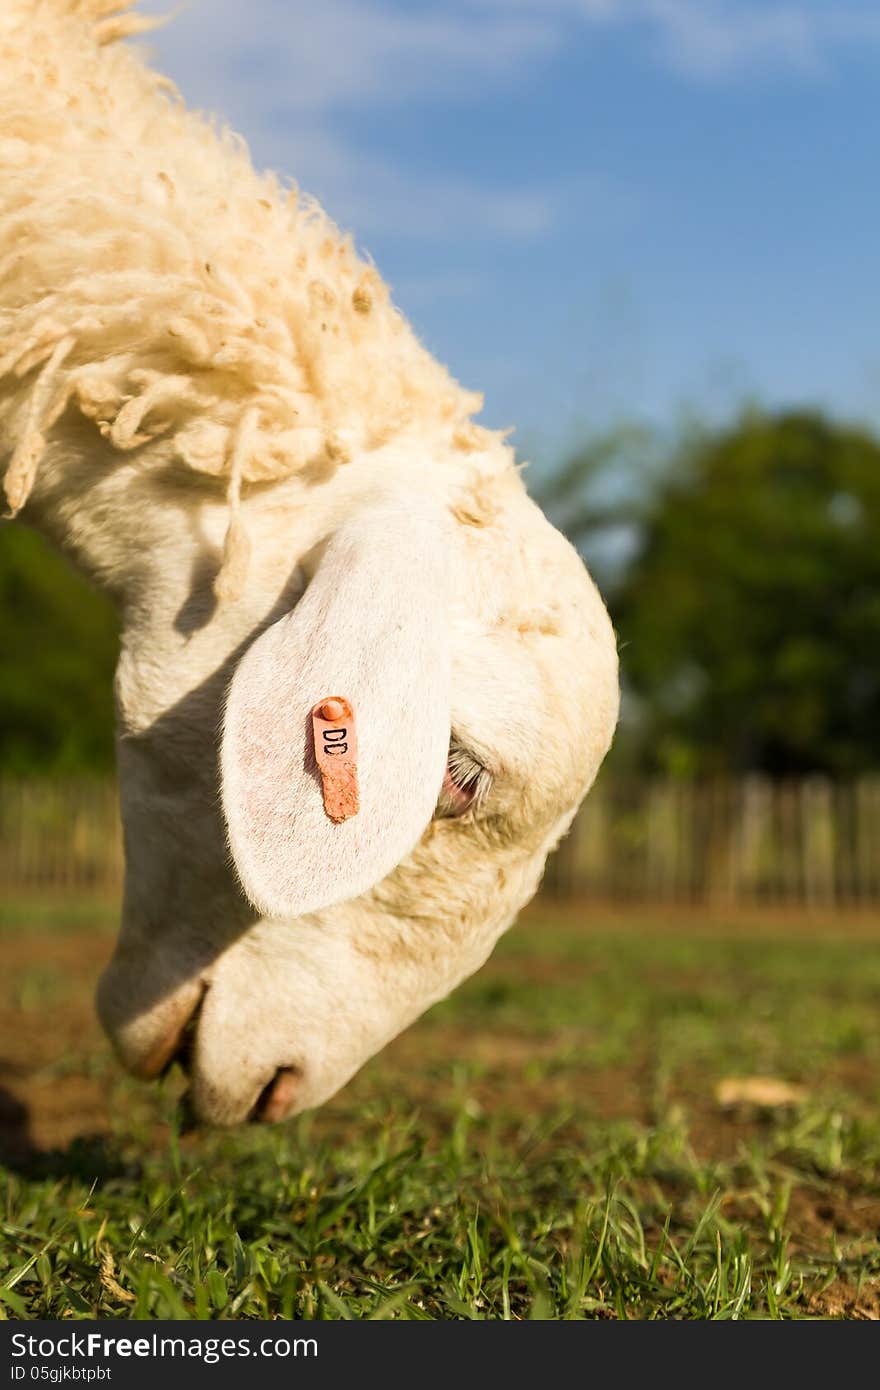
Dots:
{"x": 58, "y": 640}
{"x": 751, "y": 612}
{"x": 748, "y": 603}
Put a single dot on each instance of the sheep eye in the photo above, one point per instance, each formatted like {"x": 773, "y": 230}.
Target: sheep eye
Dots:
{"x": 465, "y": 782}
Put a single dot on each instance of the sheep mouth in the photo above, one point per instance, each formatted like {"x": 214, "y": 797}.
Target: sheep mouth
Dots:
{"x": 465, "y": 784}
{"x": 177, "y": 1047}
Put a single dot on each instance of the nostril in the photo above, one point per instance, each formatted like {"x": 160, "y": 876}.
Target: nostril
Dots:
{"x": 277, "y": 1099}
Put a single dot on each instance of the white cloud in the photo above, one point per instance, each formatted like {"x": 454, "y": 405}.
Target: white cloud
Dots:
{"x": 337, "y": 54}
{"x": 292, "y": 75}
{"x": 711, "y": 40}
{"x": 369, "y": 194}
{"x": 724, "y": 38}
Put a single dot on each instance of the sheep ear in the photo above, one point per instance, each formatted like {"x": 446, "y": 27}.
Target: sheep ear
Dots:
{"x": 371, "y": 628}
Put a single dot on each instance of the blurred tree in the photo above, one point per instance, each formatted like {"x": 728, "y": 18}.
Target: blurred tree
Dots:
{"x": 749, "y": 608}
{"x": 597, "y": 496}
{"x": 58, "y": 640}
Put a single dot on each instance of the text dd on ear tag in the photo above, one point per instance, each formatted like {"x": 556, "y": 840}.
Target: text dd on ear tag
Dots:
{"x": 335, "y": 734}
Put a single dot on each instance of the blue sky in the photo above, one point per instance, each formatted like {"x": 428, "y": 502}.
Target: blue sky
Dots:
{"x": 589, "y": 208}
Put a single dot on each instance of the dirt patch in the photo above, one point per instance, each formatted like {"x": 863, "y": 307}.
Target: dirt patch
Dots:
{"x": 51, "y": 1046}
{"x": 844, "y": 1301}
{"x": 821, "y": 1217}
{"x": 82, "y": 953}
{"x": 37, "y": 1119}
{"x": 507, "y": 1090}
{"x": 703, "y": 919}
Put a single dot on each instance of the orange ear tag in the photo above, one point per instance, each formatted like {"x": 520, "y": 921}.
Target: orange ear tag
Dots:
{"x": 336, "y": 749}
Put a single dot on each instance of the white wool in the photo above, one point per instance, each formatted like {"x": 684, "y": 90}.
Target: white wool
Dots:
{"x": 153, "y": 282}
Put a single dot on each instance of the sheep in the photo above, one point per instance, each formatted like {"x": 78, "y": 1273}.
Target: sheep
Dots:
{"x": 210, "y": 402}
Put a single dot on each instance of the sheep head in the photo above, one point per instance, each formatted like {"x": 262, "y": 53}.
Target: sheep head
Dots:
{"x": 274, "y": 948}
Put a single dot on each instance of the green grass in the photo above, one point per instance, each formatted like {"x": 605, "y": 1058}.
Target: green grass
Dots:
{"x": 59, "y": 913}
{"x": 545, "y": 1144}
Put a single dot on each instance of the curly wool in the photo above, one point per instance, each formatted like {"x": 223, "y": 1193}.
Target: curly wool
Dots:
{"x": 152, "y": 281}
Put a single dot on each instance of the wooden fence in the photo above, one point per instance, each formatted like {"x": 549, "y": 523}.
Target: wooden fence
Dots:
{"x": 810, "y": 843}
{"x": 60, "y": 834}
{"x": 806, "y": 843}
